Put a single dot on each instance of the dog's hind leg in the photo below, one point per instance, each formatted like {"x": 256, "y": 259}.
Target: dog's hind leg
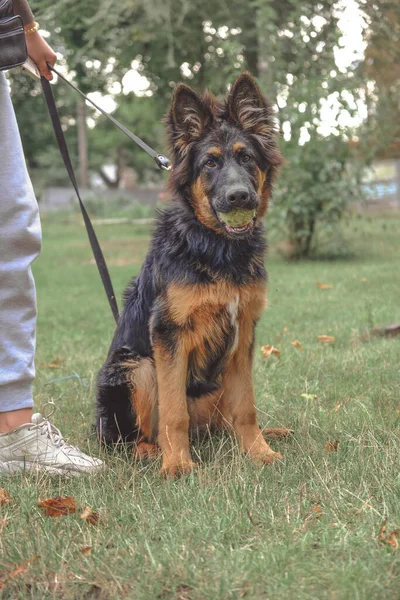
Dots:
{"x": 142, "y": 380}
{"x": 115, "y": 418}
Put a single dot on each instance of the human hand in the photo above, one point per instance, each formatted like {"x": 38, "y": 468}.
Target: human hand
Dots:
{"x": 40, "y": 52}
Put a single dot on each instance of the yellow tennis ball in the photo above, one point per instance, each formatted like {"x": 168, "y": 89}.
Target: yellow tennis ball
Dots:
{"x": 238, "y": 217}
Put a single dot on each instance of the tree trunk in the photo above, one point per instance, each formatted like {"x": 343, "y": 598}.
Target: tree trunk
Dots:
{"x": 82, "y": 143}
{"x": 250, "y": 38}
{"x": 114, "y": 184}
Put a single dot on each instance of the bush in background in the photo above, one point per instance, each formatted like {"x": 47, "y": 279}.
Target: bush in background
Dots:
{"x": 316, "y": 187}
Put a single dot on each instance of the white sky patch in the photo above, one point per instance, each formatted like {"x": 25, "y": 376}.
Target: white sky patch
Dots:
{"x": 134, "y": 82}
{"x": 106, "y": 102}
{"x": 352, "y": 45}
{"x": 287, "y": 130}
{"x": 304, "y": 136}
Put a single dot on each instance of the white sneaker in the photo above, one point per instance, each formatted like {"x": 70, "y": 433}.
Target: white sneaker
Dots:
{"x": 39, "y": 446}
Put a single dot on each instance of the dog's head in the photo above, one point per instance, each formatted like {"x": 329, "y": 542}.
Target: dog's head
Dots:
{"x": 225, "y": 155}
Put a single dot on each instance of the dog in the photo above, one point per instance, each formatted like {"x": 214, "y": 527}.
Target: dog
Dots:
{"x": 181, "y": 358}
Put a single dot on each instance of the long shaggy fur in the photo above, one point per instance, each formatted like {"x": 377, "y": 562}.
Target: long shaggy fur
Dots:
{"x": 194, "y": 274}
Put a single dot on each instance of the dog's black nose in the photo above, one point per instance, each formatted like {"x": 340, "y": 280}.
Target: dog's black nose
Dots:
{"x": 238, "y": 196}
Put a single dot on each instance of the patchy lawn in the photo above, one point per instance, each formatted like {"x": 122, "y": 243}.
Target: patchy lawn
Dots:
{"x": 307, "y": 529}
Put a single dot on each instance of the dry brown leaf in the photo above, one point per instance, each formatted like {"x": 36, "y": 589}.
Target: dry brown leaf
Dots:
{"x": 315, "y": 515}
{"x": 326, "y": 339}
{"x": 20, "y": 569}
{"x": 86, "y": 550}
{"x": 382, "y": 532}
{"x": 296, "y": 344}
{"x": 183, "y": 592}
{"x": 268, "y": 350}
{"x": 393, "y": 539}
{"x": 54, "y": 364}
{"x": 331, "y": 446}
{"x": 90, "y": 516}
{"x": 363, "y": 279}
{"x": 57, "y": 507}
{"x": 4, "y": 497}
{"x": 324, "y": 286}
{"x": 57, "y": 361}
{"x": 392, "y": 330}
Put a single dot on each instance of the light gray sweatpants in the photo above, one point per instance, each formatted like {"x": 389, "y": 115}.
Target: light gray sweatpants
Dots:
{"x": 20, "y": 242}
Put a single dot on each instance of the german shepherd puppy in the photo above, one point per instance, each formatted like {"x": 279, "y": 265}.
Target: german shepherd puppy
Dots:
{"x": 181, "y": 358}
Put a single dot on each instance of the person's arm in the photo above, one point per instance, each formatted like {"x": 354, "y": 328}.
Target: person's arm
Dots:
{"x": 38, "y": 49}
{"x": 22, "y": 8}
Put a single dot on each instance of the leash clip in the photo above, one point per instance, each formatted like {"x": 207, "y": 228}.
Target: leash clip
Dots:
{"x": 162, "y": 162}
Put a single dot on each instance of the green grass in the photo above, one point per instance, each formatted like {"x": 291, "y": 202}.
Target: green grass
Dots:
{"x": 232, "y": 530}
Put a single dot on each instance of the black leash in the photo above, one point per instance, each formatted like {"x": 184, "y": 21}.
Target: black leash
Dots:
{"x": 161, "y": 161}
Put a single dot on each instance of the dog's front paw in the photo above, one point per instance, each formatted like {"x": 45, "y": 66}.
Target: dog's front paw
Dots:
{"x": 176, "y": 469}
{"x": 266, "y": 457}
{"x": 145, "y": 451}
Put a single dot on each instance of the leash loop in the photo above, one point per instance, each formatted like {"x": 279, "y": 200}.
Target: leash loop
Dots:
{"x": 163, "y": 162}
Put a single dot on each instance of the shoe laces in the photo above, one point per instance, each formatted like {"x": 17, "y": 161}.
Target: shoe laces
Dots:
{"x": 46, "y": 427}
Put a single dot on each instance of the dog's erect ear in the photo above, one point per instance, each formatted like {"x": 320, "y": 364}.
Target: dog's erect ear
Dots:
{"x": 248, "y": 107}
{"x": 188, "y": 118}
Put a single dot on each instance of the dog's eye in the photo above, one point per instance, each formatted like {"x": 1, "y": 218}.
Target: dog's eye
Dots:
{"x": 245, "y": 158}
{"x": 211, "y": 163}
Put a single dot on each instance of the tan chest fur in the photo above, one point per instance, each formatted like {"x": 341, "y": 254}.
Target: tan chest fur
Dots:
{"x": 205, "y": 311}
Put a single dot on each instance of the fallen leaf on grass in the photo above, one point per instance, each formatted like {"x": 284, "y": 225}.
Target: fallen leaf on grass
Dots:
{"x": 392, "y": 330}
{"x": 268, "y": 350}
{"x": 57, "y": 361}
{"x": 57, "y": 507}
{"x": 183, "y": 592}
{"x": 90, "y": 516}
{"x": 315, "y": 515}
{"x": 309, "y": 396}
{"x": 392, "y": 539}
{"x": 86, "y": 550}
{"x": 382, "y": 532}
{"x": 4, "y": 497}
{"x": 326, "y": 339}
{"x": 331, "y": 446}
{"x": 317, "y": 512}
{"x": 296, "y": 344}
{"x": 363, "y": 279}
{"x": 20, "y": 569}
{"x": 324, "y": 286}
{"x": 54, "y": 364}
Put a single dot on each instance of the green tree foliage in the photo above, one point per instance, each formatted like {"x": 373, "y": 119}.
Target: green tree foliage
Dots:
{"x": 380, "y": 72}
{"x": 297, "y": 63}
{"x": 315, "y": 191}
{"x": 289, "y": 45}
